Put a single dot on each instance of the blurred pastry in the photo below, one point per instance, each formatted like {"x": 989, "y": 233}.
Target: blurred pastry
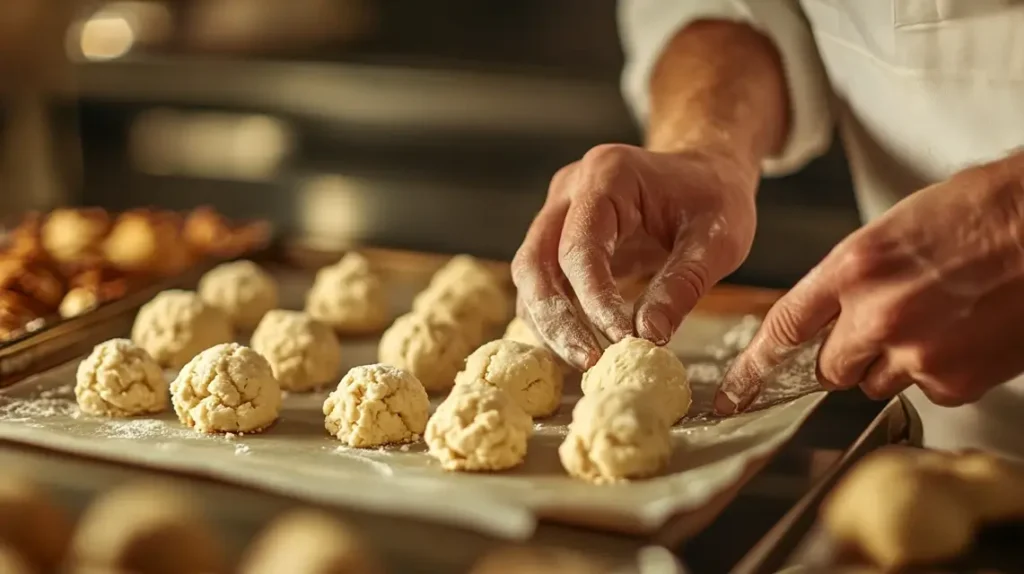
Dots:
{"x": 147, "y": 241}
{"x": 23, "y": 241}
{"x": 209, "y": 232}
{"x": 32, "y": 525}
{"x": 16, "y": 311}
{"x": 33, "y": 279}
{"x": 74, "y": 236}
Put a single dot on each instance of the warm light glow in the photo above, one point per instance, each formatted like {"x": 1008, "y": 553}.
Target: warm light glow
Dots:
{"x": 333, "y": 211}
{"x": 106, "y": 37}
{"x": 209, "y": 144}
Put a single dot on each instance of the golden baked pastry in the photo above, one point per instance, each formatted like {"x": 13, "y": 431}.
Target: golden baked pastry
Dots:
{"x": 74, "y": 236}
{"x": 23, "y": 241}
{"x": 148, "y": 242}
{"x": 16, "y": 311}
{"x": 32, "y": 279}
{"x": 209, "y": 232}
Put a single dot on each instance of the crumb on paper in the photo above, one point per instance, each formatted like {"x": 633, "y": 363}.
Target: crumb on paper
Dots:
{"x": 405, "y": 448}
{"x": 242, "y": 449}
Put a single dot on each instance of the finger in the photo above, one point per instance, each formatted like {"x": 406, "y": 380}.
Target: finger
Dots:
{"x": 588, "y": 241}
{"x": 883, "y": 379}
{"x": 675, "y": 289}
{"x": 795, "y": 319}
{"x": 846, "y": 355}
{"x": 541, "y": 290}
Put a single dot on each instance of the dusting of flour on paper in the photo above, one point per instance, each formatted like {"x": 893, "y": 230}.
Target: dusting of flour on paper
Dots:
{"x": 357, "y": 455}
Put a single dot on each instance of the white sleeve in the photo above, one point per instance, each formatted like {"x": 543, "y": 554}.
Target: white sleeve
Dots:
{"x": 646, "y": 26}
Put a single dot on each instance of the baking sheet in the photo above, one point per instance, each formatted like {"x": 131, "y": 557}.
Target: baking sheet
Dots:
{"x": 297, "y": 458}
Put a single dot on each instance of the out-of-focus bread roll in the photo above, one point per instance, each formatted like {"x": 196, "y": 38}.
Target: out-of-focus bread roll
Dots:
{"x": 31, "y": 525}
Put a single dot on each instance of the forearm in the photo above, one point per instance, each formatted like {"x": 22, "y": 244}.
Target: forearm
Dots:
{"x": 719, "y": 83}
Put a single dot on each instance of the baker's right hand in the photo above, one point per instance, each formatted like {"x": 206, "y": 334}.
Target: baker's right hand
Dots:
{"x": 687, "y": 216}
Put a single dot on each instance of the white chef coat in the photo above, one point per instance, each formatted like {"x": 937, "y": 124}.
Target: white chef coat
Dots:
{"x": 920, "y": 89}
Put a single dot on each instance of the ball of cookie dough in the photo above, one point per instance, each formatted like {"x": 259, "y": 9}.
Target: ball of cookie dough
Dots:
{"x": 31, "y": 525}
{"x": 530, "y": 375}
{"x": 147, "y": 528}
{"x": 433, "y": 349}
{"x": 485, "y": 302}
{"x": 227, "y": 388}
{"x": 615, "y": 435}
{"x": 176, "y": 326}
{"x": 519, "y": 330}
{"x": 376, "y": 405}
{"x": 120, "y": 379}
{"x": 349, "y": 296}
{"x": 243, "y": 290}
{"x": 478, "y": 428}
{"x": 639, "y": 363}
{"x": 303, "y": 353}
{"x": 309, "y": 542}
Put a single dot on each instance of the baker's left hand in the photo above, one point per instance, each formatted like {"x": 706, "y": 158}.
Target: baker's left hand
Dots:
{"x": 931, "y": 294}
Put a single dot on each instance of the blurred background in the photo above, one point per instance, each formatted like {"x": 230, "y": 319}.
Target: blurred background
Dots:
{"x": 400, "y": 123}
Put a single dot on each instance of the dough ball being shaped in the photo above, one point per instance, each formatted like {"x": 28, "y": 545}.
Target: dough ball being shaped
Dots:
{"x": 376, "y": 405}
{"x": 120, "y": 379}
{"x": 304, "y": 353}
{"x": 530, "y": 375}
{"x": 147, "y": 529}
{"x": 349, "y": 297}
{"x": 639, "y": 363}
{"x": 227, "y": 388}
{"x": 176, "y": 326}
{"x": 519, "y": 330}
{"x": 243, "y": 290}
{"x": 616, "y": 435}
{"x": 478, "y": 428}
{"x": 308, "y": 542}
{"x": 431, "y": 348}
{"x": 31, "y": 525}
{"x": 486, "y": 302}
{"x": 474, "y": 327}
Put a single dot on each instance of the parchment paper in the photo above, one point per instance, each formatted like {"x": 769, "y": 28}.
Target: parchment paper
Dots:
{"x": 297, "y": 458}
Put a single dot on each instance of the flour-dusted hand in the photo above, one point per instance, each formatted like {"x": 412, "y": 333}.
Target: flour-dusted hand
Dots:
{"x": 688, "y": 216}
{"x": 929, "y": 295}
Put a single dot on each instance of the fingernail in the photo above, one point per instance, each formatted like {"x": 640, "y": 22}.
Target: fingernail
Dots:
{"x": 656, "y": 327}
{"x": 724, "y": 405}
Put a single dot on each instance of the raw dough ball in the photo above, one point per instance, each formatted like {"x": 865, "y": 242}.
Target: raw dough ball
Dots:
{"x": 474, "y": 328}
{"x": 227, "y": 388}
{"x": 120, "y": 379}
{"x": 349, "y": 296}
{"x": 480, "y": 301}
{"x": 616, "y": 434}
{"x": 304, "y": 353}
{"x": 519, "y": 330}
{"x": 431, "y": 348}
{"x": 241, "y": 289}
{"x": 147, "y": 529}
{"x": 530, "y": 375}
{"x": 478, "y": 428}
{"x": 308, "y": 542}
{"x": 31, "y": 525}
{"x": 376, "y": 405}
{"x": 176, "y": 326}
{"x": 933, "y": 504}
{"x": 639, "y": 363}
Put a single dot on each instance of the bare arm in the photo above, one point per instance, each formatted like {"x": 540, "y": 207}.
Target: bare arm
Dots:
{"x": 723, "y": 82}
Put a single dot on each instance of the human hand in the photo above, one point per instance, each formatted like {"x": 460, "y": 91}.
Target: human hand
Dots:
{"x": 929, "y": 295}
{"x": 688, "y": 215}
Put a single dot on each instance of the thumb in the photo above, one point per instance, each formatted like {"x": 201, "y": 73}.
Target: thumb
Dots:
{"x": 795, "y": 320}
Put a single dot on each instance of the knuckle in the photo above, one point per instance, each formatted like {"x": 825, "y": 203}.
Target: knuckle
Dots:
{"x": 608, "y": 156}
{"x": 855, "y": 259}
{"x": 784, "y": 326}
{"x": 876, "y": 390}
{"x": 944, "y": 396}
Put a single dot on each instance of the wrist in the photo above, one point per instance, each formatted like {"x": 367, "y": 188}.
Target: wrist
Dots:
{"x": 719, "y": 84}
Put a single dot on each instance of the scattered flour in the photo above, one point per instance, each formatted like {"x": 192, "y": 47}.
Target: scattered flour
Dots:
{"x": 358, "y": 455}
{"x": 16, "y": 409}
{"x": 144, "y": 429}
{"x": 242, "y": 449}
{"x": 736, "y": 338}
